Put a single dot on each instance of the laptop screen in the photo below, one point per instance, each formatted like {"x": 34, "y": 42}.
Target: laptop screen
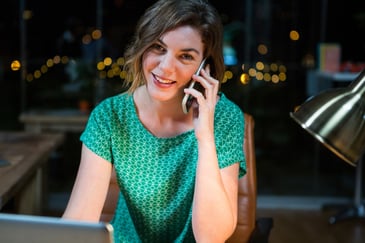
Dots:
{"x": 18, "y": 228}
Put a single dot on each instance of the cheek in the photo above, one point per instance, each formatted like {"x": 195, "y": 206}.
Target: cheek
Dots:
{"x": 146, "y": 64}
{"x": 185, "y": 75}
{"x": 144, "y": 67}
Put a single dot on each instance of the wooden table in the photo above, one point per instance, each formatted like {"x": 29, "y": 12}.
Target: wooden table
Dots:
{"x": 22, "y": 178}
{"x": 63, "y": 120}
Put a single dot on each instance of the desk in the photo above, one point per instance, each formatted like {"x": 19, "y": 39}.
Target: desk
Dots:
{"x": 22, "y": 178}
{"x": 66, "y": 120}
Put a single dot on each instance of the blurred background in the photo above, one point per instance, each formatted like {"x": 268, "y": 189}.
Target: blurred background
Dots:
{"x": 68, "y": 55}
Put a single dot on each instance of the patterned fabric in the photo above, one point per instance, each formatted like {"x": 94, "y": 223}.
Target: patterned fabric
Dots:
{"x": 156, "y": 175}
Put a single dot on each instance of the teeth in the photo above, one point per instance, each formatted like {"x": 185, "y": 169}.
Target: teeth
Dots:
{"x": 164, "y": 81}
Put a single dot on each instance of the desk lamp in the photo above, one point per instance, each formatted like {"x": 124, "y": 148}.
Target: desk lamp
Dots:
{"x": 336, "y": 118}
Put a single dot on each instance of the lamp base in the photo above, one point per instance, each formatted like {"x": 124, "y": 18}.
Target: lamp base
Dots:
{"x": 349, "y": 213}
{"x": 358, "y": 209}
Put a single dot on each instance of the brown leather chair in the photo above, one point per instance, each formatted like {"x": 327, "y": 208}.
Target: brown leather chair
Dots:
{"x": 249, "y": 229}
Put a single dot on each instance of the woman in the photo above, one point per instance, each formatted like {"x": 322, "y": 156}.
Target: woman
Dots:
{"x": 178, "y": 173}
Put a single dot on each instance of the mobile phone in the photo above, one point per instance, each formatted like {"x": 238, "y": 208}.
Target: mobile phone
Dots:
{"x": 188, "y": 99}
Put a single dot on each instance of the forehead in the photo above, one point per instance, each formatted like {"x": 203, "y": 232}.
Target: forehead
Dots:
{"x": 183, "y": 37}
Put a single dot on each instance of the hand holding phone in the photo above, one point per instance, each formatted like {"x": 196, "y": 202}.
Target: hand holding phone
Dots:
{"x": 188, "y": 99}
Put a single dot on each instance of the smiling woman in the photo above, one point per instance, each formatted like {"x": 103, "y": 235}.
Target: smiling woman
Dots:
{"x": 169, "y": 65}
{"x": 250, "y": 25}
{"x": 173, "y": 168}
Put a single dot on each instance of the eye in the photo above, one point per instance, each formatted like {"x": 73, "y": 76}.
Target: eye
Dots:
{"x": 186, "y": 56}
{"x": 157, "y": 47}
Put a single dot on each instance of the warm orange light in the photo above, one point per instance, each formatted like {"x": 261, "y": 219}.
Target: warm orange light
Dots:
{"x": 262, "y": 49}
{"x": 244, "y": 78}
{"x": 294, "y": 35}
{"x": 15, "y": 65}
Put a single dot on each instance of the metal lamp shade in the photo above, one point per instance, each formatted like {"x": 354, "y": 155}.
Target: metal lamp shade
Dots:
{"x": 337, "y": 119}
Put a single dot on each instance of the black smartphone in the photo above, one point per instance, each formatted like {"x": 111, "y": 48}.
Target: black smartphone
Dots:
{"x": 188, "y": 99}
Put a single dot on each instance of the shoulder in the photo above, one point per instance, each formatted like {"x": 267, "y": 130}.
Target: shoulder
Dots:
{"x": 228, "y": 111}
{"x": 116, "y": 100}
{"x": 110, "y": 104}
{"x": 112, "y": 107}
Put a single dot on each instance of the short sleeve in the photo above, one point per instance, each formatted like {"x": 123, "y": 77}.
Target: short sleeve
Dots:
{"x": 229, "y": 125}
{"x": 96, "y": 135}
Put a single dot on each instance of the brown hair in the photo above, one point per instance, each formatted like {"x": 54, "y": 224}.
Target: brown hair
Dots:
{"x": 166, "y": 15}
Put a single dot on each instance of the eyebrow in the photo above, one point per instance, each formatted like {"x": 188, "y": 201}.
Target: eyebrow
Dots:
{"x": 185, "y": 50}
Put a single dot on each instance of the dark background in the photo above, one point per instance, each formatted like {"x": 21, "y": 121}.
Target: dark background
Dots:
{"x": 290, "y": 162}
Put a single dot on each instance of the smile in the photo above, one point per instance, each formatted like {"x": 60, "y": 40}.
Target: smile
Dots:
{"x": 163, "y": 81}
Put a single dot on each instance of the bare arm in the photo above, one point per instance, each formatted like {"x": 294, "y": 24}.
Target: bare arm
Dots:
{"x": 215, "y": 195}
{"x": 90, "y": 188}
{"x": 215, "y": 199}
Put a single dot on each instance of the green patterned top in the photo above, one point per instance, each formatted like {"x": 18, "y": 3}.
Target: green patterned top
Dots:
{"x": 156, "y": 175}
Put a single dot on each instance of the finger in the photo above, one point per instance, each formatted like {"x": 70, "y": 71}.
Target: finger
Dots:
{"x": 211, "y": 83}
{"x": 207, "y": 69}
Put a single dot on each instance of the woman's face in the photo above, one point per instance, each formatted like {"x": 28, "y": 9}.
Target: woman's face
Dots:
{"x": 171, "y": 61}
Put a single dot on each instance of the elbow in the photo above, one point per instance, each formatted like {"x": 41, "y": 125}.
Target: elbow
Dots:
{"x": 214, "y": 233}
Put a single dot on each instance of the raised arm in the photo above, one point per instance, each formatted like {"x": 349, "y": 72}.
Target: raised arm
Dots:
{"x": 215, "y": 195}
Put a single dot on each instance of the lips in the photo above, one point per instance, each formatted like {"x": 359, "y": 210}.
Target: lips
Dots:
{"x": 163, "y": 81}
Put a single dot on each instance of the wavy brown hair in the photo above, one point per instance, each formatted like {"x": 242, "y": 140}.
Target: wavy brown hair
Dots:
{"x": 166, "y": 15}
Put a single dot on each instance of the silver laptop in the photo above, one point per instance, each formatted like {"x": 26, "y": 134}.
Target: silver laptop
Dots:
{"x": 19, "y": 228}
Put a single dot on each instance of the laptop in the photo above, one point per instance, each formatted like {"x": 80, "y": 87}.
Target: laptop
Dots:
{"x": 20, "y": 228}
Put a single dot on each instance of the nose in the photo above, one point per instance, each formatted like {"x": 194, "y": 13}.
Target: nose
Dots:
{"x": 167, "y": 64}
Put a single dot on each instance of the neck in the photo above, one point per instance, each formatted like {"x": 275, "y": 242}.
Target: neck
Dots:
{"x": 161, "y": 118}
{"x": 170, "y": 109}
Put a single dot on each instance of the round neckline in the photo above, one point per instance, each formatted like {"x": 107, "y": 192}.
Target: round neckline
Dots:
{"x": 140, "y": 124}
